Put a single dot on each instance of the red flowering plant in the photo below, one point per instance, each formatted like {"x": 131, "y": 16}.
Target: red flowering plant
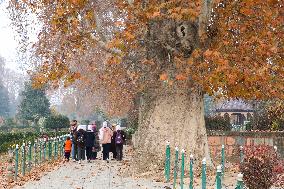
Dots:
{"x": 261, "y": 166}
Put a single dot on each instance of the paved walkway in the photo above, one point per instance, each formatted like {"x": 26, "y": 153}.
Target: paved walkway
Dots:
{"x": 95, "y": 175}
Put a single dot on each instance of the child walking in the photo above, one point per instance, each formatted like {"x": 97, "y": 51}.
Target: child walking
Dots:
{"x": 67, "y": 148}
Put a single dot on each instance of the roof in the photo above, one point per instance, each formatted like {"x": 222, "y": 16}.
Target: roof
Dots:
{"x": 234, "y": 106}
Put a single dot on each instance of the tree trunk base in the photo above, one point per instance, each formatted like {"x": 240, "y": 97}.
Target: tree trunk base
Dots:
{"x": 176, "y": 116}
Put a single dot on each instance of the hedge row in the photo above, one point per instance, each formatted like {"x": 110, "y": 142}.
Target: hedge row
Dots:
{"x": 9, "y": 140}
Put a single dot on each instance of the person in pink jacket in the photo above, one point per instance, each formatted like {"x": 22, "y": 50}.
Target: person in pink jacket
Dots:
{"x": 106, "y": 134}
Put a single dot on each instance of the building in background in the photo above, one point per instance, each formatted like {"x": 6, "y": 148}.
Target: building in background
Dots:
{"x": 237, "y": 111}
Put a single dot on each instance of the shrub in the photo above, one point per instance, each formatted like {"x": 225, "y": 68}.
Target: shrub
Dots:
{"x": 260, "y": 166}
{"x": 8, "y": 140}
{"x": 129, "y": 132}
{"x": 217, "y": 123}
{"x": 56, "y": 122}
{"x": 85, "y": 122}
{"x": 249, "y": 126}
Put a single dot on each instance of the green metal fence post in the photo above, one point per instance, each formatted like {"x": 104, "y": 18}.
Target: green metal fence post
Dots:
{"x": 241, "y": 154}
{"x": 40, "y": 150}
{"x": 30, "y": 156}
{"x": 218, "y": 177}
{"x": 55, "y": 148}
{"x": 175, "y": 168}
{"x": 59, "y": 147}
{"x": 62, "y": 148}
{"x": 35, "y": 153}
{"x": 203, "y": 174}
{"x": 23, "y": 159}
{"x": 49, "y": 149}
{"x": 223, "y": 160}
{"x": 44, "y": 149}
{"x": 167, "y": 163}
{"x": 62, "y": 144}
{"x": 191, "y": 172}
{"x": 240, "y": 182}
{"x": 16, "y": 161}
{"x": 182, "y": 169}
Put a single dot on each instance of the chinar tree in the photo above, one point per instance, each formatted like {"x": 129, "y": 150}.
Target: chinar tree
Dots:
{"x": 166, "y": 53}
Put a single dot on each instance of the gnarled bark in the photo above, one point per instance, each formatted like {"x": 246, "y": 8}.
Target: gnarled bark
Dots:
{"x": 174, "y": 115}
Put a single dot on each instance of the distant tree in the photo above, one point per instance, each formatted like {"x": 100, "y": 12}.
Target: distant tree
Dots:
{"x": 4, "y": 102}
{"x": 34, "y": 104}
{"x": 85, "y": 122}
{"x": 269, "y": 114}
{"x": 9, "y": 124}
{"x": 14, "y": 83}
{"x": 56, "y": 122}
{"x": 208, "y": 105}
{"x": 4, "y": 95}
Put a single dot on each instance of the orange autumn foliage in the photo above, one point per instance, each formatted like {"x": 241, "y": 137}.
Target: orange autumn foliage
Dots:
{"x": 239, "y": 51}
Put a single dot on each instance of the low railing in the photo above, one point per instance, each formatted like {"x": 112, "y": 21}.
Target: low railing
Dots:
{"x": 22, "y": 159}
{"x": 179, "y": 169}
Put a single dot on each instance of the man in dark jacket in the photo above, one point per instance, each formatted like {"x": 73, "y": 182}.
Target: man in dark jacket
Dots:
{"x": 90, "y": 141}
{"x": 80, "y": 137}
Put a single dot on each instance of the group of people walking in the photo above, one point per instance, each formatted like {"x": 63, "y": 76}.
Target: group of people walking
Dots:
{"x": 87, "y": 142}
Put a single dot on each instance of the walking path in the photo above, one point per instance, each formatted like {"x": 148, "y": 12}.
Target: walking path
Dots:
{"x": 95, "y": 175}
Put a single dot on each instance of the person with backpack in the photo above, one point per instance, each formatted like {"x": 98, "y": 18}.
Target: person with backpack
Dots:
{"x": 120, "y": 138}
{"x": 90, "y": 141}
{"x": 106, "y": 134}
{"x": 80, "y": 137}
{"x": 73, "y": 130}
{"x": 97, "y": 147}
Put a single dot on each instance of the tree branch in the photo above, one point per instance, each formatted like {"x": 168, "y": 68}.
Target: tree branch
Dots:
{"x": 204, "y": 16}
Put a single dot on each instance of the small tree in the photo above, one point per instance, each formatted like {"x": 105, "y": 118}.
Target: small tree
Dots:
{"x": 34, "y": 104}
{"x": 56, "y": 122}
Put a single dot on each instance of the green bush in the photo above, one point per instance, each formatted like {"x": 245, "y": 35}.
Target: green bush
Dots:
{"x": 249, "y": 126}
{"x": 9, "y": 140}
{"x": 129, "y": 132}
{"x": 56, "y": 122}
{"x": 85, "y": 122}
{"x": 217, "y": 123}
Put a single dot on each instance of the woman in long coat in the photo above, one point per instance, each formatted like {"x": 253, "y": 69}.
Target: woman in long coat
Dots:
{"x": 96, "y": 148}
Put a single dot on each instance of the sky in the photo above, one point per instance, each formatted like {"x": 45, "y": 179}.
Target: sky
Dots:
{"x": 8, "y": 45}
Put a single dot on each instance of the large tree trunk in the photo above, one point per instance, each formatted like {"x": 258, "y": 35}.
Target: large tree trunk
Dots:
{"x": 172, "y": 115}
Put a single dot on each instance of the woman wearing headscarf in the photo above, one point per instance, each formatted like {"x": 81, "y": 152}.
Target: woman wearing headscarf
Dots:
{"x": 119, "y": 141}
{"x": 106, "y": 134}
